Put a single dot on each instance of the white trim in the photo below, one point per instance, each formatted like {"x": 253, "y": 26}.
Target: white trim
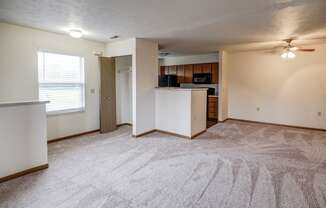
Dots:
{"x": 82, "y": 83}
{"x": 32, "y": 102}
{"x": 82, "y": 59}
{"x": 67, "y": 111}
{"x": 60, "y": 52}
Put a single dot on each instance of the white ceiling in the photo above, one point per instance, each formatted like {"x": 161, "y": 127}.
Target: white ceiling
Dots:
{"x": 180, "y": 26}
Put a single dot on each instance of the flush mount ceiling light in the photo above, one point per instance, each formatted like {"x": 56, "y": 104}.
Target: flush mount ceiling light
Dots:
{"x": 76, "y": 33}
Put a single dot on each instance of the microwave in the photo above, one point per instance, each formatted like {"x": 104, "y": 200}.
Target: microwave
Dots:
{"x": 202, "y": 78}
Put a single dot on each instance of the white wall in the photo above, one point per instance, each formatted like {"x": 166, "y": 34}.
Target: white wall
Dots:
{"x": 286, "y": 91}
{"x": 23, "y": 142}
{"x": 145, "y": 73}
{"x": 144, "y": 79}
{"x": 120, "y": 48}
{"x": 223, "y": 111}
{"x": 180, "y": 111}
{"x": 124, "y": 89}
{"x": 19, "y": 76}
{"x": 198, "y": 111}
{"x": 173, "y": 111}
{"x": 191, "y": 59}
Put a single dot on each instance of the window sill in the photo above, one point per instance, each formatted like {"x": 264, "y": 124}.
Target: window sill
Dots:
{"x": 64, "y": 112}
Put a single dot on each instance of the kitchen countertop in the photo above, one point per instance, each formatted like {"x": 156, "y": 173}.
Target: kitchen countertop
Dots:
{"x": 214, "y": 96}
{"x": 32, "y": 102}
{"x": 181, "y": 89}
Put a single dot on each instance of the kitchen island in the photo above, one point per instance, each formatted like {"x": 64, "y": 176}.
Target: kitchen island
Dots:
{"x": 181, "y": 111}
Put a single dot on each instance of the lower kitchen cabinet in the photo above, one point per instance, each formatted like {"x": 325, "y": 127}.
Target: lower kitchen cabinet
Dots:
{"x": 212, "y": 107}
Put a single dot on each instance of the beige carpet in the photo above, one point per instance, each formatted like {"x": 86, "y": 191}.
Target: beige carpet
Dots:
{"x": 234, "y": 164}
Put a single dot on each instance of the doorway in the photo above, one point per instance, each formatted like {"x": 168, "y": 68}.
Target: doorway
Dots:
{"x": 124, "y": 90}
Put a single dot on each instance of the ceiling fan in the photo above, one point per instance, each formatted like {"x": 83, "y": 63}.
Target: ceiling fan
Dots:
{"x": 289, "y": 50}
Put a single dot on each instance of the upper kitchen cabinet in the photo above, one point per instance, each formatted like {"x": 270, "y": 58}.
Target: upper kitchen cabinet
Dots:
{"x": 214, "y": 73}
{"x": 166, "y": 70}
{"x": 188, "y": 71}
{"x": 202, "y": 68}
{"x": 198, "y": 69}
{"x": 185, "y": 72}
{"x": 206, "y": 68}
{"x": 162, "y": 70}
{"x": 173, "y": 70}
{"x": 180, "y": 73}
{"x": 169, "y": 70}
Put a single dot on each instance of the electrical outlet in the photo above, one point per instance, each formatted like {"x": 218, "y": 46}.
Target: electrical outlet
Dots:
{"x": 258, "y": 108}
{"x": 319, "y": 114}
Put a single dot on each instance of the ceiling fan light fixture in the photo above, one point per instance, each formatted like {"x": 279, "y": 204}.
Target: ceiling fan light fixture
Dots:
{"x": 288, "y": 55}
{"x": 284, "y": 55}
{"x": 291, "y": 55}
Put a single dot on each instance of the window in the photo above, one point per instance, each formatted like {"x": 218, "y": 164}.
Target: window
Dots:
{"x": 61, "y": 81}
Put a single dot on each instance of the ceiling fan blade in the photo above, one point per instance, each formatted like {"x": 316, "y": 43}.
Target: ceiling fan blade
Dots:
{"x": 275, "y": 50}
{"x": 306, "y": 49}
{"x": 293, "y": 48}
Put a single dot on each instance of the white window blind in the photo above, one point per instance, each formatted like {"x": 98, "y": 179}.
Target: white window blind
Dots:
{"x": 61, "y": 81}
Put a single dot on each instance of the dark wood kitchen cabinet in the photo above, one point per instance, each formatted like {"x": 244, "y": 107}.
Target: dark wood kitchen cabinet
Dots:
{"x": 212, "y": 106}
{"x": 206, "y": 68}
{"x": 198, "y": 69}
{"x": 202, "y": 68}
{"x": 170, "y": 70}
{"x": 162, "y": 70}
{"x": 215, "y": 73}
{"x": 188, "y": 71}
{"x": 173, "y": 70}
{"x": 185, "y": 72}
{"x": 181, "y": 74}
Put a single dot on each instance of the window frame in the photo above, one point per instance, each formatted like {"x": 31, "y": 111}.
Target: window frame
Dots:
{"x": 82, "y": 84}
